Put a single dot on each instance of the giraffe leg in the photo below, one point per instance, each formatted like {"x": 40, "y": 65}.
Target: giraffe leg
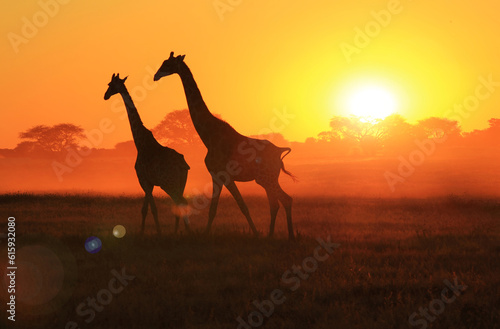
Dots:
{"x": 155, "y": 213}
{"x": 216, "y": 189}
{"x": 144, "y": 212}
{"x": 183, "y": 203}
{"x": 273, "y": 206}
{"x": 243, "y": 207}
{"x": 286, "y": 201}
{"x": 176, "y": 224}
{"x": 148, "y": 190}
{"x": 186, "y": 223}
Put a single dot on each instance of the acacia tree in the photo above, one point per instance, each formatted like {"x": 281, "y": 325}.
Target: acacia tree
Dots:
{"x": 494, "y": 124}
{"x": 395, "y": 133}
{"x": 394, "y": 125}
{"x": 42, "y": 138}
{"x": 176, "y": 128}
{"x": 486, "y": 137}
{"x": 365, "y": 134}
{"x": 369, "y": 136}
{"x": 435, "y": 127}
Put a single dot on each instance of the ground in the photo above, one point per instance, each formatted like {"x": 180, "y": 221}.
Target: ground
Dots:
{"x": 395, "y": 257}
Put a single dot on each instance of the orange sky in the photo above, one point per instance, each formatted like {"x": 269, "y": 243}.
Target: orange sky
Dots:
{"x": 262, "y": 57}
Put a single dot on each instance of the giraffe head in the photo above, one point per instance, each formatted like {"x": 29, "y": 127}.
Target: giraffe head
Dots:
{"x": 170, "y": 66}
{"x": 115, "y": 86}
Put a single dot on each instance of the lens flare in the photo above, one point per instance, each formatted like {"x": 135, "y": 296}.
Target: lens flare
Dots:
{"x": 93, "y": 244}
{"x": 119, "y": 231}
{"x": 181, "y": 210}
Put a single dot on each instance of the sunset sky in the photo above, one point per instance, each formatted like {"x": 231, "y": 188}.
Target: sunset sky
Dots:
{"x": 251, "y": 60}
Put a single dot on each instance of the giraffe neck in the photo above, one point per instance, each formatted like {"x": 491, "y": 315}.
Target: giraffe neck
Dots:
{"x": 204, "y": 122}
{"x": 136, "y": 124}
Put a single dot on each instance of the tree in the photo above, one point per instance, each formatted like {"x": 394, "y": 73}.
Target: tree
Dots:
{"x": 176, "y": 128}
{"x": 394, "y": 125}
{"x": 435, "y": 127}
{"x": 487, "y": 137}
{"x": 367, "y": 137}
{"x": 494, "y": 124}
{"x": 126, "y": 148}
{"x": 395, "y": 133}
{"x": 326, "y": 136}
{"x": 364, "y": 134}
{"x": 42, "y": 138}
{"x": 354, "y": 128}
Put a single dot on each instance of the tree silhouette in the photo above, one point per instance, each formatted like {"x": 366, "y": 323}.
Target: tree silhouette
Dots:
{"x": 366, "y": 135}
{"x": 393, "y": 126}
{"x": 125, "y": 148}
{"x": 326, "y": 136}
{"x": 494, "y": 124}
{"x": 355, "y": 128}
{"x": 396, "y": 134}
{"x": 486, "y": 137}
{"x": 42, "y": 138}
{"x": 176, "y": 129}
{"x": 435, "y": 127}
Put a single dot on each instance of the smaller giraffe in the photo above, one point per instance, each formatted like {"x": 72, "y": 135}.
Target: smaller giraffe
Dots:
{"x": 156, "y": 165}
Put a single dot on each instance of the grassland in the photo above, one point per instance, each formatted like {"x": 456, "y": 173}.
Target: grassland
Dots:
{"x": 393, "y": 258}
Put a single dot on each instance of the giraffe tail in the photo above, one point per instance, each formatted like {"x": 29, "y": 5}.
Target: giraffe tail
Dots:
{"x": 288, "y": 150}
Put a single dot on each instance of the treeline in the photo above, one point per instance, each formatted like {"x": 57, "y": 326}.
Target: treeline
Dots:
{"x": 354, "y": 136}
{"x": 347, "y": 137}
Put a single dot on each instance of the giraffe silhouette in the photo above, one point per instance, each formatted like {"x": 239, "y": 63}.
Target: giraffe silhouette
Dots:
{"x": 156, "y": 165}
{"x": 232, "y": 157}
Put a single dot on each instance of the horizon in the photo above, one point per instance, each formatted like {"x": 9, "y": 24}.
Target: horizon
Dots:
{"x": 265, "y": 133}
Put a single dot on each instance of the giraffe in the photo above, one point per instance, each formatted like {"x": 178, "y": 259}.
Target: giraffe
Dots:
{"x": 156, "y": 165}
{"x": 232, "y": 157}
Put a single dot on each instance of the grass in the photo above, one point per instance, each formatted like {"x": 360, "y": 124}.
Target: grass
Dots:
{"x": 393, "y": 257}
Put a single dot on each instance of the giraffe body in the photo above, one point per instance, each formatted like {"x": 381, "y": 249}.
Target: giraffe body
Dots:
{"x": 156, "y": 165}
{"x": 232, "y": 157}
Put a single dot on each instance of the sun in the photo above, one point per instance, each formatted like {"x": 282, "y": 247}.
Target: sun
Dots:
{"x": 373, "y": 102}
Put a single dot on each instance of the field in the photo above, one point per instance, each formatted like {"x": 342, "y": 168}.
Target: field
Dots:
{"x": 466, "y": 172}
{"x": 395, "y": 257}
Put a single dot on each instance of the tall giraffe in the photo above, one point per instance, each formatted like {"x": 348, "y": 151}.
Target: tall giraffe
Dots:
{"x": 155, "y": 165}
{"x": 232, "y": 157}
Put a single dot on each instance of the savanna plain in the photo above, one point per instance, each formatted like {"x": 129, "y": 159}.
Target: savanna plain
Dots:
{"x": 395, "y": 257}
